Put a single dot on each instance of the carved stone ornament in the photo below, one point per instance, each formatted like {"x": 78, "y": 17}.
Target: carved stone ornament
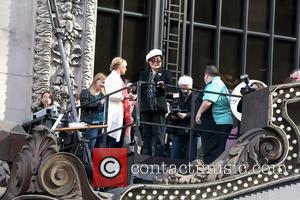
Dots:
{"x": 4, "y": 174}
{"x": 262, "y": 157}
{"x": 39, "y": 171}
{"x": 78, "y": 24}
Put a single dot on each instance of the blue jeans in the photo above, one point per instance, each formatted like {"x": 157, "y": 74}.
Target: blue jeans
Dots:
{"x": 180, "y": 147}
{"x": 92, "y": 133}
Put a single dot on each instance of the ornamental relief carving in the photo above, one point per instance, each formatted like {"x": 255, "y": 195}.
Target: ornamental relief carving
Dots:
{"x": 39, "y": 171}
{"x": 78, "y": 29}
{"x": 69, "y": 11}
{"x": 42, "y": 52}
{"x": 254, "y": 149}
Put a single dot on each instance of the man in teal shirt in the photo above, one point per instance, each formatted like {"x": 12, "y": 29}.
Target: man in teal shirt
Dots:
{"x": 214, "y": 115}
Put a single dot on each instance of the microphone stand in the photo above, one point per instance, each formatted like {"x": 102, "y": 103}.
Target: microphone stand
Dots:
{"x": 57, "y": 31}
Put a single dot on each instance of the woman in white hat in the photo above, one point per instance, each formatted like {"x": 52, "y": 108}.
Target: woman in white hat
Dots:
{"x": 153, "y": 103}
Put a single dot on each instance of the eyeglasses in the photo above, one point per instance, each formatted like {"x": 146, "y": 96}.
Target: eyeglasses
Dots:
{"x": 155, "y": 60}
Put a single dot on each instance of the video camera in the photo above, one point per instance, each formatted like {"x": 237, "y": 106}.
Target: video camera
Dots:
{"x": 173, "y": 99}
{"x": 247, "y": 89}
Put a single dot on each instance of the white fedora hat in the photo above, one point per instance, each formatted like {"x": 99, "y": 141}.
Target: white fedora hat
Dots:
{"x": 152, "y": 53}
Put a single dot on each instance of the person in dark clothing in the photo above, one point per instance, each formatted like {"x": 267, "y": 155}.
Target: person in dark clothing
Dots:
{"x": 92, "y": 109}
{"x": 180, "y": 141}
{"x": 46, "y": 104}
{"x": 46, "y": 101}
{"x": 153, "y": 104}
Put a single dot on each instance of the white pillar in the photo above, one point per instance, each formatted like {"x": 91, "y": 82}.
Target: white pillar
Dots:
{"x": 16, "y": 38}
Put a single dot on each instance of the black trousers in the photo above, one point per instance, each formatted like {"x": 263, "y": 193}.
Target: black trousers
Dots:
{"x": 213, "y": 144}
{"x": 153, "y": 135}
{"x": 112, "y": 143}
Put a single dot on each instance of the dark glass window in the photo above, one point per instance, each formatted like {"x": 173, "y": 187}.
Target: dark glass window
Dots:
{"x": 135, "y": 39}
{"x": 283, "y": 61}
{"x": 230, "y": 57}
{"x": 257, "y": 54}
{"x": 134, "y": 46}
{"x": 293, "y": 112}
{"x": 138, "y": 6}
{"x": 258, "y": 15}
{"x": 285, "y": 17}
{"x": 232, "y": 13}
{"x": 205, "y": 11}
{"x": 109, "y": 3}
{"x": 106, "y": 42}
{"x": 203, "y": 53}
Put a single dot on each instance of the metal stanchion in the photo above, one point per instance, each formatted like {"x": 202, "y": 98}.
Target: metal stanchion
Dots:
{"x": 54, "y": 17}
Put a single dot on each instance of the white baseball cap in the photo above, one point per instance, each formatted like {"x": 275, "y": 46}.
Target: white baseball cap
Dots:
{"x": 152, "y": 53}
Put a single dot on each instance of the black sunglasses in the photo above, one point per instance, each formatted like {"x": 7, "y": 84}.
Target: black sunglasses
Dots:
{"x": 155, "y": 60}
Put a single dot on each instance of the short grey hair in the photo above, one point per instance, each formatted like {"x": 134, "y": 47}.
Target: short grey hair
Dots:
{"x": 212, "y": 70}
{"x": 185, "y": 80}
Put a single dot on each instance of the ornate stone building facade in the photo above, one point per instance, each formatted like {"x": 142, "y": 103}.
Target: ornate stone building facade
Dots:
{"x": 30, "y": 60}
{"x": 78, "y": 29}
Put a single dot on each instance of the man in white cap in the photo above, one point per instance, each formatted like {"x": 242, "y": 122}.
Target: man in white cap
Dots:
{"x": 153, "y": 104}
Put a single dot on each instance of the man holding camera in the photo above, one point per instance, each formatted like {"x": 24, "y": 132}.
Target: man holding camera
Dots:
{"x": 217, "y": 125}
{"x": 180, "y": 115}
{"x": 153, "y": 103}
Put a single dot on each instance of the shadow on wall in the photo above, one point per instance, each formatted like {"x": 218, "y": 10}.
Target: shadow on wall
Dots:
{"x": 19, "y": 60}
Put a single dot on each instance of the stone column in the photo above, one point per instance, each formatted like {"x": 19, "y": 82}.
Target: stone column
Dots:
{"x": 16, "y": 42}
{"x": 78, "y": 21}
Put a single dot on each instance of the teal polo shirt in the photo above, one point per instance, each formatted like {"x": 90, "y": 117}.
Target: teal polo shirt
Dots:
{"x": 220, "y": 103}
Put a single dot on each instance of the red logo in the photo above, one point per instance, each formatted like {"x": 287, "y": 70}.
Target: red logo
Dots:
{"x": 110, "y": 167}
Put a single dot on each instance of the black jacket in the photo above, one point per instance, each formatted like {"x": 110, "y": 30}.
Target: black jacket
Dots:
{"x": 90, "y": 106}
{"x": 185, "y": 105}
{"x": 161, "y": 75}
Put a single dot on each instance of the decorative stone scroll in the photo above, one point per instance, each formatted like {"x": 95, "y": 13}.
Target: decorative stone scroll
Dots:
{"x": 269, "y": 155}
{"x": 254, "y": 149}
{"x": 40, "y": 172}
{"x": 78, "y": 25}
{"x": 27, "y": 162}
{"x": 4, "y": 174}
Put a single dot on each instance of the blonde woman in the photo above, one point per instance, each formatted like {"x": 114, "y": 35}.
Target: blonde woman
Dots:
{"x": 92, "y": 109}
{"x": 116, "y": 109}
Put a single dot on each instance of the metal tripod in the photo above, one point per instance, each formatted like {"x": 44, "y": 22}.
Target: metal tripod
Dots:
{"x": 82, "y": 142}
